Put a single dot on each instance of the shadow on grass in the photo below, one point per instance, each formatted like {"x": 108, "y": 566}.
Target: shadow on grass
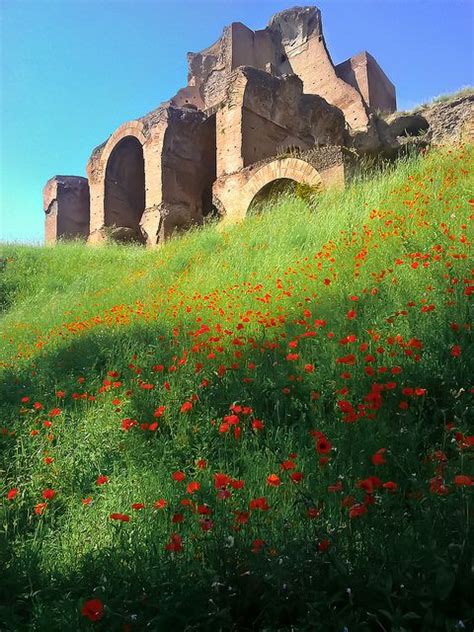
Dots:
{"x": 225, "y": 588}
{"x": 231, "y": 589}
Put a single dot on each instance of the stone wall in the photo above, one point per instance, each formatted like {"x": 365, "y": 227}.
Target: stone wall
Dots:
{"x": 250, "y": 96}
{"x": 363, "y": 73}
{"x": 66, "y": 207}
{"x": 301, "y": 35}
{"x": 293, "y": 43}
{"x": 262, "y": 115}
{"x": 179, "y": 156}
{"x": 188, "y": 170}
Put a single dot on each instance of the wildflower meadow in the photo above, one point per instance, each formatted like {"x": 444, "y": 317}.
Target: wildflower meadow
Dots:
{"x": 262, "y": 427}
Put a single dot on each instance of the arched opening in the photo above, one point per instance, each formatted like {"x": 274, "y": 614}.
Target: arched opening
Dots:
{"x": 209, "y": 211}
{"x": 269, "y": 194}
{"x": 409, "y": 125}
{"x": 125, "y": 190}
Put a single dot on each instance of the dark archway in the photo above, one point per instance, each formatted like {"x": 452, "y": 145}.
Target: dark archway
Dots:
{"x": 125, "y": 189}
{"x": 270, "y": 193}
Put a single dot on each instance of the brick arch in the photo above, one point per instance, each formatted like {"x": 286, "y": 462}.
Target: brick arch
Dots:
{"x": 97, "y": 169}
{"x": 124, "y": 190}
{"x": 286, "y": 168}
{"x": 132, "y": 128}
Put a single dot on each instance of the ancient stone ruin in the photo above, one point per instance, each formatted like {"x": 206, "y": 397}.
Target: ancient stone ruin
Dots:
{"x": 260, "y": 106}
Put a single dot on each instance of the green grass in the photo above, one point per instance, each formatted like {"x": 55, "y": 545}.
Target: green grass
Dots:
{"x": 316, "y": 316}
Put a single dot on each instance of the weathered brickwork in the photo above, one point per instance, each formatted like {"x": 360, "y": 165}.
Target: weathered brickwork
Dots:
{"x": 66, "y": 207}
{"x": 253, "y": 99}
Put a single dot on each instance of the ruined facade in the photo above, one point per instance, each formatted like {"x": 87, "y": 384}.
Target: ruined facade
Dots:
{"x": 251, "y": 98}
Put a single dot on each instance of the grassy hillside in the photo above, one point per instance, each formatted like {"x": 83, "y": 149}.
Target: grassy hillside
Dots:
{"x": 262, "y": 428}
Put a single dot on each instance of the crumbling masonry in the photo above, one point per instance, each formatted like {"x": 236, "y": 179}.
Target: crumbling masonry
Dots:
{"x": 259, "y": 107}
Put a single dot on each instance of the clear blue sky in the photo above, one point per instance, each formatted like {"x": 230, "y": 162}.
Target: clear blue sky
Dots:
{"x": 74, "y": 70}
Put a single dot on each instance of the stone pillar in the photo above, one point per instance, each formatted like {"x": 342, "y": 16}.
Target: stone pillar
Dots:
{"x": 300, "y": 31}
{"x": 67, "y": 207}
{"x": 364, "y": 73}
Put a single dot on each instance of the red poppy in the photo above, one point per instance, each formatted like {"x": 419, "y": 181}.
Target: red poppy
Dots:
{"x": 160, "y": 504}
{"x": 128, "y": 423}
{"x": 175, "y": 544}
{"x": 231, "y": 420}
{"x": 39, "y": 508}
{"x": 12, "y": 493}
{"x": 379, "y": 457}
{"x": 369, "y": 484}
{"x": 323, "y": 445}
{"x": 221, "y": 480}
{"x": 93, "y": 609}
{"x": 242, "y": 517}
{"x": 259, "y": 503}
{"x": 120, "y": 517}
{"x": 273, "y": 480}
{"x": 297, "y": 477}
{"x": 178, "y": 476}
{"x": 206, "y": 524}
{"x": 348, "y": 359}
{"x": 48, "y": 494}
{"x": 437, "y": 486}
{"x": 138, "y": 506}
{"x": 192, "y": 487}
{"x": 462, "y": 480}
{"x": 257, "y": 545}
{"x": 324, "y": 545}
{"x": 357, "y": 510}
{"x": 146, "y": 387}
{"x": 101, "y": 480}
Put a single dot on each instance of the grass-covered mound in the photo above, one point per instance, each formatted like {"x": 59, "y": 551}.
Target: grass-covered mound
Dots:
{"x": 264, "y": 428}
